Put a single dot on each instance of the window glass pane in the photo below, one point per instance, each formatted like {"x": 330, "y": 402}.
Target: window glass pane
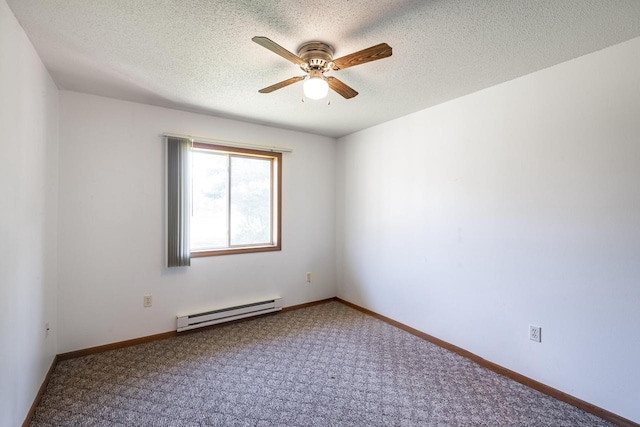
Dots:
{"x": 209, "y": 200}
{"x": 250, "y": 201}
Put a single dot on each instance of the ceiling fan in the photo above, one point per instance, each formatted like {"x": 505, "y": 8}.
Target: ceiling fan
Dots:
{"x": 315, "y": 59}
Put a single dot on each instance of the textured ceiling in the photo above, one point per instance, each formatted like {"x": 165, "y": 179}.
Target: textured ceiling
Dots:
{"x": 197, "y": 55}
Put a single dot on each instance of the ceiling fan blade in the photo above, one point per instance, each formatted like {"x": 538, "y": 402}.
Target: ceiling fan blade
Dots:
{"x": 369, "y": 54}
{"x": 282, "y": 84}
{"x": 276, "y": 48}
{"x": 341, "y": 88}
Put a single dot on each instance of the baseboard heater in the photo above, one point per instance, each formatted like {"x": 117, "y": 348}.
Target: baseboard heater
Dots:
{"x": 198, "y": 320}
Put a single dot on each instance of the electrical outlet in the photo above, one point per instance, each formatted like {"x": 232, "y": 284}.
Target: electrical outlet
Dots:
{"x": 148, "y": 301}
{"x": 535, "y": 333}
{"x": 308, "y": 277}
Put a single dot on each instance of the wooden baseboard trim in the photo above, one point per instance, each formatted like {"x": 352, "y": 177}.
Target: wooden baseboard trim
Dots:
{"x": 41, "y": 390}
{"x": 169, "y": 334}
{"x": 531, "y": 383}
{"x": 115, "y": 345}
{"x": 309, "y": 304}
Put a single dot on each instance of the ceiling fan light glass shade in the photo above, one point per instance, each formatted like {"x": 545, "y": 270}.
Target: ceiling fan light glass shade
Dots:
{"x": 316, "y": 88}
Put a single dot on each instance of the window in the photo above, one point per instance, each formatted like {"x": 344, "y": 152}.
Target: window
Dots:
{"x": 235, "y": 200}
{"x": 221, "y": 200}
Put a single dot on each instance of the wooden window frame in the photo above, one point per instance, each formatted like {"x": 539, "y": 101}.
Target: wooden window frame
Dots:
{"x": 276, "y": 205}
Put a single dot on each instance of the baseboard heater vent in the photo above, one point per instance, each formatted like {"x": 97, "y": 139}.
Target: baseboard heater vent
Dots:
{"x": 222, "y": 315}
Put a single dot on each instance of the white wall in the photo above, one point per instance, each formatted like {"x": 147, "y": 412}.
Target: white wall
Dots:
{"x": 112, "y": 223}
{"x": 518, "y": 204}
{"x": 28, "y": 220}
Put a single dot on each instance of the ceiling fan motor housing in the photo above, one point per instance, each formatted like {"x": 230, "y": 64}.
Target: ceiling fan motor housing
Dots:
{"x": 317, "y": 55}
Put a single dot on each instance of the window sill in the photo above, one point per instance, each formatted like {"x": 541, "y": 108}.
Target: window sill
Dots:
{"x": 232, "y": 251}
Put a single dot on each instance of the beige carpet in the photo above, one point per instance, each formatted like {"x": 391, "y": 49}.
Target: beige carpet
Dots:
{"x": 326, "y": 365}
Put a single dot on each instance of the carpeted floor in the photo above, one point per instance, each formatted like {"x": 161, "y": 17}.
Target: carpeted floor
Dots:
{"x": 326, "y": 365}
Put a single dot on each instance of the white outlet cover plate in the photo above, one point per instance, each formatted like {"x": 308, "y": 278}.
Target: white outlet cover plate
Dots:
{"x": 535, "y": 333}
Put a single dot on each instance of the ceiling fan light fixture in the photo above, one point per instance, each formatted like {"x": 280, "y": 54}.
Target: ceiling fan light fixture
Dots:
{"x": 316, "y": 87}
{"x": 315, "y": 59}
